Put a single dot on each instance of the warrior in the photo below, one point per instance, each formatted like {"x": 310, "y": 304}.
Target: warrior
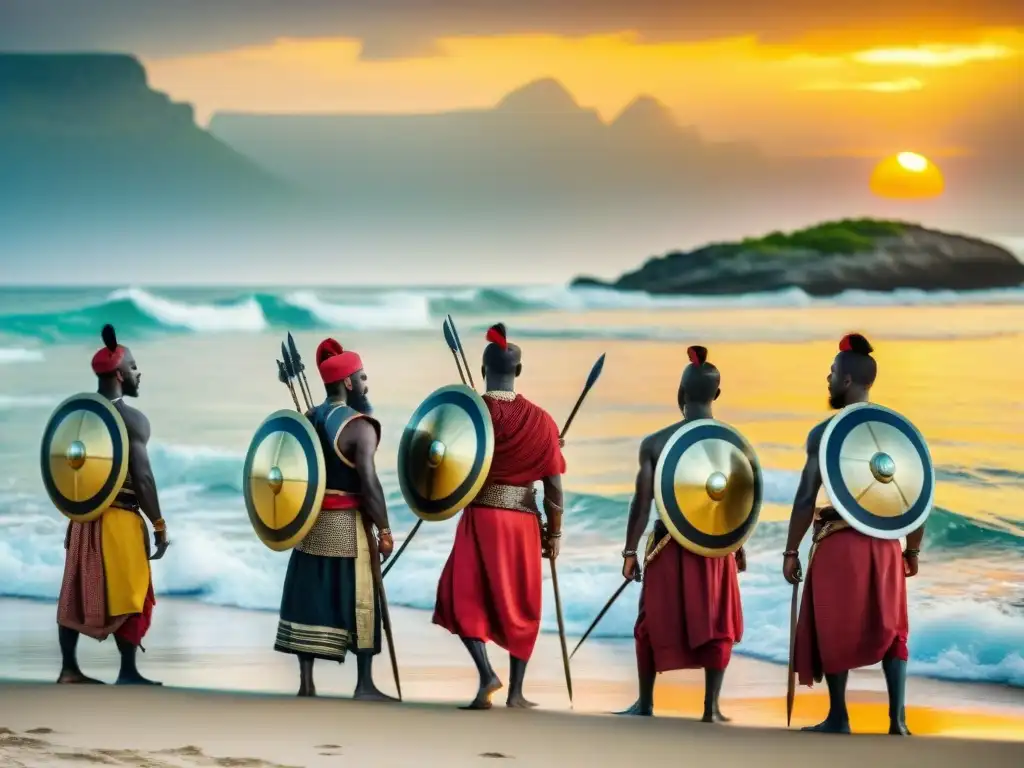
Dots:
{"x": 107, "y": 586}
{"x": 330, "y": 602}
{"x": 490, "y": 588}
{"x": 690, "y": 614}
{"x": 853, "y": 580}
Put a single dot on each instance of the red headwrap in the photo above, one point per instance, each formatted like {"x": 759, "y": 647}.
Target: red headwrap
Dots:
{"x": 698, "y": 355}
{"x": 110, "y": 356}
{"x": 854, "y": 342}
{"x": 334, "y": 363}
{"x": 496, "y": 334}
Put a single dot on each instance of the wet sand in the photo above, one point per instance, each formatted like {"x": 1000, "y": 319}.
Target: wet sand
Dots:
{"x": 229, "y": 700}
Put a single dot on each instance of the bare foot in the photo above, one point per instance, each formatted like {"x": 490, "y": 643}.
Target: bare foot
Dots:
{"x": 829, "y": 726}
{"x": 372, "y": 694}
{"x": 135, "y": 679}
{"x": 637, "y": 711}
{"x": 898, "y": 728}
{"x": 75, "y": 677}
{"x": 483, "y": 696}
{"x": 715, "y": 716}
{"x": 519, "y": 702}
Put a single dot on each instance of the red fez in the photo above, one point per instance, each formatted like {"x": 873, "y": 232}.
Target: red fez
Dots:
{"x": 110, "y": 356}
{"x": 334, "y": 363}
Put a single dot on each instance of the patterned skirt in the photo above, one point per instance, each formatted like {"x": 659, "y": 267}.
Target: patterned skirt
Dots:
{"x": 320, "y": 609}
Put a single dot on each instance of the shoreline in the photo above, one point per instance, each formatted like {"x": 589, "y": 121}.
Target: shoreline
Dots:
{"x": 44, "y": 725}
{"x": 200, "y": 647}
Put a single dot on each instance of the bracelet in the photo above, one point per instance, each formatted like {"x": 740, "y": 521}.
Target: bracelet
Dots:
{"x": 160, "y": 525}
{"x": 550, "y": 502}
{"x": 791, "y": 553}
{"x": 557, "y": 535}
{"x": 628, "y": 553}
{"x": 912, "y": 553}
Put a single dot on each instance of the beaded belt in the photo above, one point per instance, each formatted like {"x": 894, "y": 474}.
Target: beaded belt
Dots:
{"x": 825, "y": 529}
{"x": 514, "y": 497}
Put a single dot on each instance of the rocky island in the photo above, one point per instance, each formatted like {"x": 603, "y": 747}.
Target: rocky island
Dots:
{"x": 827, "y": 259}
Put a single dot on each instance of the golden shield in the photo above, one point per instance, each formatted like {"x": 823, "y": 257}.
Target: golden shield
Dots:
{"x": 445, "y": 452}
{"x": 84, "y": 456}
{"x": 877, "y": 471}
{"x": 284, "y": 479}
{"x": 708, "y": 488}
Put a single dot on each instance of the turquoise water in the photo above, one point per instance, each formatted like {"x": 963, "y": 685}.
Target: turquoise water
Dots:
{"x": 209, "y": 379}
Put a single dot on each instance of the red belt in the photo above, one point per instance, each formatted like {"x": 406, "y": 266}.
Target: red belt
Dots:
{"x": 338, "y": 500}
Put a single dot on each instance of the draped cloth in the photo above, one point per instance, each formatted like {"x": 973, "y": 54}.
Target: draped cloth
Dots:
{"x": 690, "y": 612}
{"x": 107, "y": 587}
{"x": 490, "y": 588}
{"x": 854, "y": 608}
{"x": 329, "y": 603}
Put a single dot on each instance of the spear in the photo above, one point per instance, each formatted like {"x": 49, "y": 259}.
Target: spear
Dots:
{"x": 300, "y": 368}
{"x": 453, "y": 345}
{"x": 611, "y": 601}
{"x": 595, "y": 373}
{"x": 462, "y": 351}
{"x": 282, "y": 376}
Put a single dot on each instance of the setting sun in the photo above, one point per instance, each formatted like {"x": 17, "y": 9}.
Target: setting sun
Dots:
{"x": 912, "y": 162}
{"x": 907, "y": 176}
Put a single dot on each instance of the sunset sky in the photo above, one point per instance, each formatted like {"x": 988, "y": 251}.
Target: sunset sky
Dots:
{"x": 796, "y": 76}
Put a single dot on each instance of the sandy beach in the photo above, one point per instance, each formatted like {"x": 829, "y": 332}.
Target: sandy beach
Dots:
{"x": 226, "y": 705}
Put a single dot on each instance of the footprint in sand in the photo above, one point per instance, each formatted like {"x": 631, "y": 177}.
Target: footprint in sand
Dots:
{"x": 499, "y": 755}
{"x": 133, "y": 758}
{"x": 11, "y": 740}
{"x": 85, "y": 757}
{"x": 187, "y": 751}
{"x": 40, "y": 731}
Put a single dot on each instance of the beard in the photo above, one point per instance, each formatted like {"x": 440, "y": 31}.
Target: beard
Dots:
{"x": 360, "y": 403}
{"x": 836, "y": 402}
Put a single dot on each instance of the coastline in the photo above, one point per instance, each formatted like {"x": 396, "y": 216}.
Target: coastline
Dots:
{"x": 229, "y": 701}
{"x": 197, "y": 646}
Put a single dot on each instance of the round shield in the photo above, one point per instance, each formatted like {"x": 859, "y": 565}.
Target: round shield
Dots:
{"x": 708, "y": 488}
{"x": 877, "y": 471}
{"x": 445, "y": 452}
{"x": 284, "y": 479}
{"x": 84, "y": 456}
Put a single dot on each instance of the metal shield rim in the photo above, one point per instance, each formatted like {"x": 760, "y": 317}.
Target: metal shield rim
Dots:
{"x": 853, "y": 520}
{"x": 56, "y": 498}
{"x": 318, "y": 487}
{"x": 465, "y": 498}
{"x": 755, "y": 514}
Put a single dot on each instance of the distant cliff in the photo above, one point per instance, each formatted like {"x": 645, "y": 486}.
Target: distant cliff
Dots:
{"x": 84, "y": 134}
{"x": 827, "y": 259}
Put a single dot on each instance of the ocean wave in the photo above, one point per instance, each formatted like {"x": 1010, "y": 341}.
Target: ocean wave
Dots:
{"x": 144, "y": 312}
{"x": 215, "y": 558}
{"x": 10, "y": 355}
{"x": 18, "y": 402}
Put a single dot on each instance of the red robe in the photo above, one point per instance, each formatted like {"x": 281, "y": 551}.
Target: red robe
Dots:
{"x": 490, "y": 588}
{"x": 854, "y": 607}
{"x": 690, "y": 612}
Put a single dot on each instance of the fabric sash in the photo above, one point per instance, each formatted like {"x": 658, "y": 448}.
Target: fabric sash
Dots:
{"x": 366, "y": 603}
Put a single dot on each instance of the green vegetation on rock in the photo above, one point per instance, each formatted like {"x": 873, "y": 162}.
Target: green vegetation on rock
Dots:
{"x": 847, "y": 236}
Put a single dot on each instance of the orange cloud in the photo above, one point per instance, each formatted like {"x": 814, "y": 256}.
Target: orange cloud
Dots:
{"x": 935, "y": 55}
{"x": 884, "y": 86}
{"x": 793, "y": 97}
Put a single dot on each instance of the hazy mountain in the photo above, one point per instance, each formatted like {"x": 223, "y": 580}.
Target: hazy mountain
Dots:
{"x": 537, "y": 155}
{"x": 84, "y": 142}
{"x": 95, "y": 165}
